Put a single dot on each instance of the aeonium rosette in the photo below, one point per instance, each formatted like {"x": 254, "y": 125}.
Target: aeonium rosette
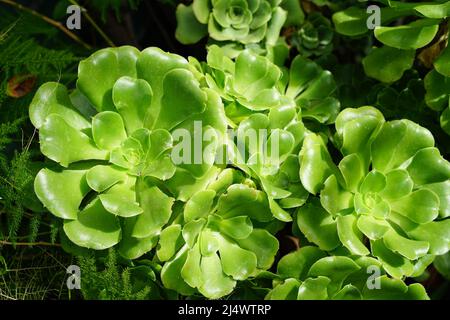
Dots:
{"x": 242, "y": 21}
{"x": 112, "y": 141}
{"x": 309, "y": 274}
{"x": 220, "y": 236}
{"x": 387, "y": 197}
{"x": 253, "y": 84}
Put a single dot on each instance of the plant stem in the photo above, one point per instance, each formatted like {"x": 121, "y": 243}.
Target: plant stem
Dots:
{"x": 48, "y": 244}
{"x": 95, "y": 25}
{"x": 54, "y": 23}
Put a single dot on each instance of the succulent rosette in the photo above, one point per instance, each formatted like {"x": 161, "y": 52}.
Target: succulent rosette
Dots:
{"x": 314, "y": 37}
{"x": 387, "y": 197}
{"x": 248, "y": 84}
{"x": 218, "y": 238}
{"x": 253, "y": 84}
{"x": 309, "y": 274}
{"x": 272, "y": 159}
{"x": 242, "y": 21}
{"x": 111, "y": 142}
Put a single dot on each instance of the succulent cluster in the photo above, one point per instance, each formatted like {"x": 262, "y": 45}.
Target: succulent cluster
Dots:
{"x": 390, "y": 189}
{"x": 281, "y": 152}
{"x": 111, "y": 139}
{"x": 309, "y": 274}
{"x": 242, "y": 21}
{"x": 114, "y": 180}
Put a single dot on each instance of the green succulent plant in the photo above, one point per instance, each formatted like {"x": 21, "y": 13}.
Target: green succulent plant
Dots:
{"x": 253, "y": 84}
{"x": 272, "y": 161}
{"x": 314, "y": 37}
{"x": 243, "y": 21}
{"x": 110, "y": 142}
{"x": 257, "y": 97}
{"x": 218, "y": 238}
{"x": 309, "y": 274}
{"x": 247, "y": 84}
{"x": 237, "y": 25}
{"x": 389, "y": 190}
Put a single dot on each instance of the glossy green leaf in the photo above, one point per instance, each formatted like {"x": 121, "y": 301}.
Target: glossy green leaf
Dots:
{"x": 241, "y": 199}
{"x": 288, "y": 290}
{"x": 373, "y": 182}
{"x": 437, "y": 233}
{"x": 315, "y": 163}
{"x": 237, "y": 227}
{"x": 397, "y": 141}
{"x": 442, "y": 190}
{"x": 410, "y": 249}
{"x": 53, "y": 98}
{"x": 337, "y": 269}
{"x": 313, "y": 289}
{"x": 394, "y": 264}
{"x": 121, "y": 200}
{"x": 428, "y": 166}
{"x": 372, "y": 227}
{"x": 318, "y": 226}
{"x": 442, "y": 264}
{"x": 420, "y": 206}
{"x": 388, "y": 64}
{"x": 101, "y": 177}
{"x": 191, "y": 271}
{"x": 356, "y": 128}
{"x": 334, "y": 198}
{"x": 437, "y": 90}
{"x": 169, "y": 242}
{"x": 199, "y": 205}
{"x": 98, "y": 74}
{"x": 64, "y": 144}
{"x": 350, "y": 236}
{"x": 189, "y": 30}
{"x": 353, "y": 171}
{"x": 216, "y": 283}
{"x": 415, "y": 35}
{"x": 132, "y": 99}
{"x": 434, "y": 10}
{"x": 398, "y": 184}
{"x": 131, "y": 247}
{"x": 442, "y": 63}
{"x": 157, "y": 210}
{"x": 52, "y": 188}
{"x": 263, "y": 245}
{"x": 94, "y": 228}
{"x": 171, "y": 276}
{"x": 230, "y": 253}
{"x": 394, "y": 289}
{"x": 108, "y": 130}
{"x": 297, "y": 264}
